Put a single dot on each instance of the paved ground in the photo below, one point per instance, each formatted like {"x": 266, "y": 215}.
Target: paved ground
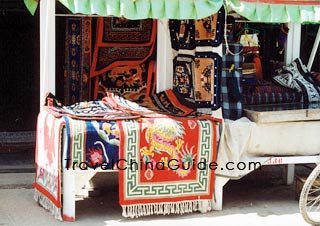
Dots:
{"x": 257, "y": 199}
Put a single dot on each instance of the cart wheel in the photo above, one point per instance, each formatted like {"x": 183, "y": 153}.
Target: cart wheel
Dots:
{"x": 309, "y": 202}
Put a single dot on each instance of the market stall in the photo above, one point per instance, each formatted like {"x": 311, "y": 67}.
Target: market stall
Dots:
{"x": 292, "y": 12}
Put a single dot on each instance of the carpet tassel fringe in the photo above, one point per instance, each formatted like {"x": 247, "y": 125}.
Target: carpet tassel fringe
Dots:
{"x": 139, "y": 210}
{"x": 47, "y": 204}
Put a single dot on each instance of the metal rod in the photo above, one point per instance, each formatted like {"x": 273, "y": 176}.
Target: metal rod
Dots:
{"x": 78, "y": 15}
{"x": 256, "y": 22}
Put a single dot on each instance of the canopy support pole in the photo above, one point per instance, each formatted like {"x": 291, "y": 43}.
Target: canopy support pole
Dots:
{"x": 293, "y": 43}
{"x": 164, "y": 57}
{"x": 47, "y": 48}
{"x": 314, "y": 50}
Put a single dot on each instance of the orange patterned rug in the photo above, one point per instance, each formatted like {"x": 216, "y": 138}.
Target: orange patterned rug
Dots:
{"x": 165, "y": 165}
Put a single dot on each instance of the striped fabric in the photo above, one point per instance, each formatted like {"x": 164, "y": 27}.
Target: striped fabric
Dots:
{"x": 270, "y": 93}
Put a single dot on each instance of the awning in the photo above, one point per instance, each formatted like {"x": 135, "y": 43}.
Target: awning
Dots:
{"x": 140, "y": 9}
{"x": 31, "y": 5}
{"x": 278, "y": 11}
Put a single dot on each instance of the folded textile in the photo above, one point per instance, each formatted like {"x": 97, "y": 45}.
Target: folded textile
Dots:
{"x": 248, "y": 68}
{"x": 296, "y": 76}
{"x": 269, "y": 93}
{"x": 171, "y": 102}
{"x": 47, "y": 182}
{"x": 315, "y": 77}
{"x": 92, "y": 138}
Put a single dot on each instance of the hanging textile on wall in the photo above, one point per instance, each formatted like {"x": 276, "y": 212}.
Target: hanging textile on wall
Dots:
{"x": 183, "y": 75}
{"x": 207, "y": 66}
{"x": 196, "y": 67}
{"x": 188, "y": 34}
{"x": 77, "y": 60}
{"x": 124, "y": 60}
{"x": 182, "y": 34}
{"x": 134, "y": 82}
{"x": 122, "y": 42}
{"x": 209, "y": 30}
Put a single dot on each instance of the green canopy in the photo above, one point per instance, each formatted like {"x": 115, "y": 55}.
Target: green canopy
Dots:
{"x": 31, "y": 5}
{"x": 140, "y": 9}
{"x": 278, "y": 11}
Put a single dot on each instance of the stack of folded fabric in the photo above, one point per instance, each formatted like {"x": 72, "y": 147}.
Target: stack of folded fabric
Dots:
{"x": 270, "y": 93}
{"x": 249, "y": 76}
{"x": 297, "y": 77}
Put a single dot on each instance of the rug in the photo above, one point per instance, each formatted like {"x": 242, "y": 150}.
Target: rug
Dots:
{"x": 91, "y": 144}
{"x": 133, "y": 82}
{"x": 167, "y": 102}
{"x": 92, "y": 110}
{"x": 77, "y": 60}
{"x": 124, "y": 59}
{"x": 171, "y": 102}
{"x": 196, "y": 77}
{"x": 48, "y": 163}
{"x": 207, "y": 71}
{"x": 188, "y": 34}
{"x": 191, "y": 42}
{"x": 92, "y": 138}
{"x": 120, "y": 41}
{"x": 165, "y": 167}
{"x": 208, "y": 31}
{"x": 182, "y": 34}
{"x": 183, "y": 75}
{"x": 108, "y": 134}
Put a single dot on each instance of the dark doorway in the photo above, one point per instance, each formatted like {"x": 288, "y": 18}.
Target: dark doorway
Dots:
{"x": 19, "y": 84}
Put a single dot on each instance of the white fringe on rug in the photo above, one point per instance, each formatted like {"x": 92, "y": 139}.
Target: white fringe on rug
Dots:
{"x": 138, "y": 210}
{"x": 47, "y": 204}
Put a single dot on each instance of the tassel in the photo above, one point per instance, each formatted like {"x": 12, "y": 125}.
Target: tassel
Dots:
{"x": 134, "y": 211}
{"x": 47, "y": 204}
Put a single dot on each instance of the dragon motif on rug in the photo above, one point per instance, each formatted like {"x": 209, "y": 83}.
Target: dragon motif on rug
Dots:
{"x": 165, "y": 137}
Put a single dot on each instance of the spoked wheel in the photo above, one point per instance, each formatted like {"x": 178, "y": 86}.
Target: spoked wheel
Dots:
{"x": 309, "y": 202}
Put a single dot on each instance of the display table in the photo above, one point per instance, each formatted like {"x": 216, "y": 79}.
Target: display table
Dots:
{"x": 282, "y": 112}
{"x": 274, "y": 135}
